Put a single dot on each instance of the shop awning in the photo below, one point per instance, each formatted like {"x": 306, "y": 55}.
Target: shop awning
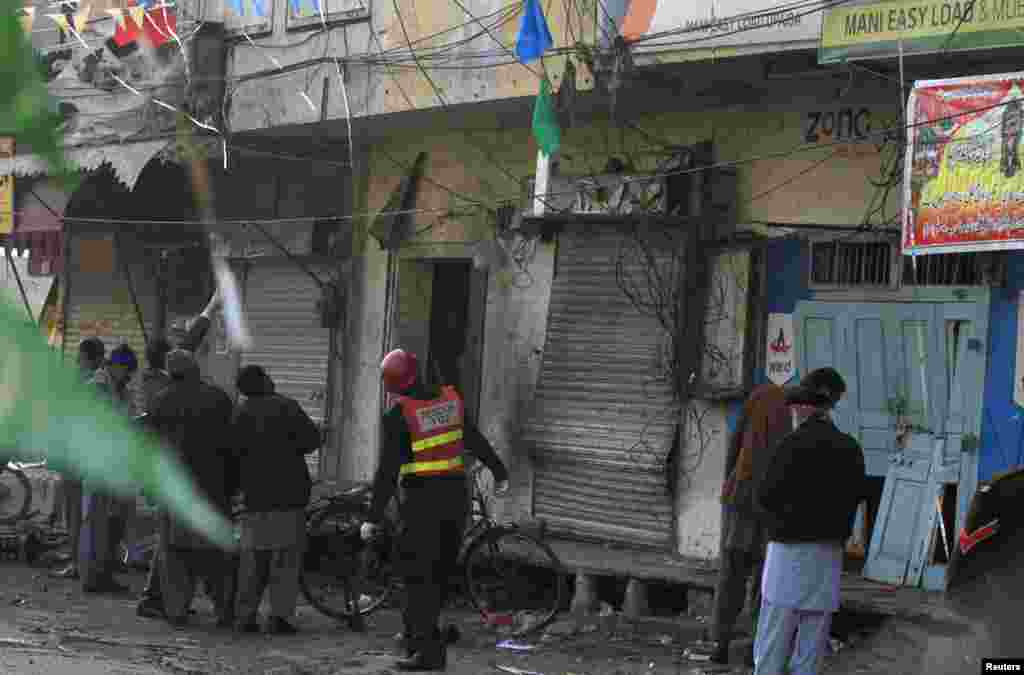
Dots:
{"x": 126, "y": 159}
{"x": 38, "y": 226}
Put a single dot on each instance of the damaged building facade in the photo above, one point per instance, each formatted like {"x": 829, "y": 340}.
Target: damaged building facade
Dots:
{"x": 723, "y": 212}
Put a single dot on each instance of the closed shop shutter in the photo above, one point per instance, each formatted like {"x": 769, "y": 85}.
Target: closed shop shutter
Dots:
{"x": 603, "y": 423}
{"x": 289, "y": 342}
{"x": 101, "y": 305}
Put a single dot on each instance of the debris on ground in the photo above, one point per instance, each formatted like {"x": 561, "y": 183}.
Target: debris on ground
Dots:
{"x": 516, "y": 646}
{"x": 512, "y": 670}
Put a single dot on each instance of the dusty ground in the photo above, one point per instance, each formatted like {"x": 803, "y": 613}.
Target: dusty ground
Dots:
{"x": 48, "y": 627}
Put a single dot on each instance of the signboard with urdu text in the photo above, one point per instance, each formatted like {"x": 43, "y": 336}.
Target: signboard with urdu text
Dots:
{"x": 742, "y": 25}
{"x": 965, "y": 187}
{"x": 871, "y": 30}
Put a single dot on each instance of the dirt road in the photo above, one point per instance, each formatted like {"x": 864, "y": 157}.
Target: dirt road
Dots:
{"x": 48, "y": 627}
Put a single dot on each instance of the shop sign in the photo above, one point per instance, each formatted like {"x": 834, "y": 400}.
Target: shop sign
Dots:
{"x": 780, "y": 359}
{"x": 661, "y": 25}
{"x": 6, "y": 189}
{"x": 872, "y": 30}
{"x": 964, "y": 163}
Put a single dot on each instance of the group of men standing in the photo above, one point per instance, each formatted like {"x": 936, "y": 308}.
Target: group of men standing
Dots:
{"x": 256, "y": 449}
{"x": 793, "y": 485}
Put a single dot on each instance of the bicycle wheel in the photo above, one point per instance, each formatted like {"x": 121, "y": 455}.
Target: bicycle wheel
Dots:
{"x": 339, "y": 566}
{"x": 15, "y": 495}
{"x": 515, "y": 579}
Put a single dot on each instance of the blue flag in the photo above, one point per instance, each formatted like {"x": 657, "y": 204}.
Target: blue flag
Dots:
{"x": 258, "y": 9}
{"x": 238, "y": 6}
{"x": 534, "y": 37}
{"x": 296, "y": 7}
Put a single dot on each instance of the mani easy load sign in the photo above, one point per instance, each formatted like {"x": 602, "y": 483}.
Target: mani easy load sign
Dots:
{"x": 873, "y": 30}
{"x": 965, "y": 179}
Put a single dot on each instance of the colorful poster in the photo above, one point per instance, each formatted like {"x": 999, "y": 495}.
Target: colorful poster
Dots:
{"x": 6, "y": 189}
{"x": 966, "y": 182}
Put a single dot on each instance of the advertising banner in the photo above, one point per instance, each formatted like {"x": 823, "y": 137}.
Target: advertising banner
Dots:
{"x": 965, "y": 182}
{"x": 872, "y": 30}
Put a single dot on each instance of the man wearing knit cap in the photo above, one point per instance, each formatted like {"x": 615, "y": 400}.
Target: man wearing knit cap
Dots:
{"x": 195, "y": 417}
{"x": 811, "y": 489}
{"x": 107, "y": 515}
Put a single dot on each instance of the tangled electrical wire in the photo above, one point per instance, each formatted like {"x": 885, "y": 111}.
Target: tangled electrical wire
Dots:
{"x": 649, "y": 271}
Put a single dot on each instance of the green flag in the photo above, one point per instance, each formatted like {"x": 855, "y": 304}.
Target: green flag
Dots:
{"x": 45, "y": 412}
{"x": 545, "y": 122}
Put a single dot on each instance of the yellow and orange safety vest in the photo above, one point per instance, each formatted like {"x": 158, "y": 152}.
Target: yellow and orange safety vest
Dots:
{"x": 436, "y": 429}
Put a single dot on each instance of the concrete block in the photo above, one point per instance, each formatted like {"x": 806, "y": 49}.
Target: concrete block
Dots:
{"x": 584, "y": 600}
{"x": 636, "y": 603}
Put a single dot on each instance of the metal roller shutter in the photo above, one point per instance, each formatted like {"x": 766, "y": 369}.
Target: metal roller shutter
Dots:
{"x": 603, "y": 422}
{"x": 289, "y": 343}
{"x": 101, "y": 305}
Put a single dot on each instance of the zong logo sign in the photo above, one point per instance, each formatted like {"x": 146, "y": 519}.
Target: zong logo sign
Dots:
{"x": 836, "y": 126}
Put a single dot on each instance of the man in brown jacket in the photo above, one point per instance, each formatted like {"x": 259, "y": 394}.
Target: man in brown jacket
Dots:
{"x": 763, "y": 422}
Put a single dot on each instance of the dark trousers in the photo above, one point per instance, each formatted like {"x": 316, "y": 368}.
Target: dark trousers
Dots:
{"x": 433, "y": 519}
{"x": 738, "y": 567}
{"x": 152, "y": 589}
{"x": 73, "y": 515}
{"x": 182, "y": 568}
{"x": 276, "y": 570}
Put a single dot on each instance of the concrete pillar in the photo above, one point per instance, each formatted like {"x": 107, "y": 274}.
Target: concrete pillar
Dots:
{"x": 699, "y": 601}
{"x": 584, "y": 600}
{"x": 636, "y": 603}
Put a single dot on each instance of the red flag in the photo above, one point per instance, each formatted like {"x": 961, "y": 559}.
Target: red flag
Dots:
{"x": 158, "y": 24}
{"x": 161, "y": 24}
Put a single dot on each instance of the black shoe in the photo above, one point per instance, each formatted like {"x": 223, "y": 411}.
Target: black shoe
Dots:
{"x": 720, "y": 656}
{"x": 178, "y": 622}
{"x": 247, "y": 627}
{"x": 278, "y": 626}
{"x": 711, "y": 652}
{"x": 404, "y": 644}
{"x": 452, "y": 634}
{"x": 151, "y": 608}
{"x": 69, "y": 572}
{"x": 748, "y": 658}
{"x": 424, "y": 660}
{"x": 108, "y": 587}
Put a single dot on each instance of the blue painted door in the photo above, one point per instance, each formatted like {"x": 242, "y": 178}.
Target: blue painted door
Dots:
{"x": 914, "y": 358}
{"x": 953, "y": 461}
{"x": 880, "y": 349}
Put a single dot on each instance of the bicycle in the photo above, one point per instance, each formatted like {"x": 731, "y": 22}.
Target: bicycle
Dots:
{"x": 500, "y": 566}
{"x": 338, "y": 561}
{"x": 15, "y": 495}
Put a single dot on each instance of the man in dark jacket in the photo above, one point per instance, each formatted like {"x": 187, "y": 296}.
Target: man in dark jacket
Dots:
{"x": 153, "y": 380}
{"x": 424, "y": 438}
{"x": 811, "y": 490}
{"x": 272, "y": 435}
{"x": 195, "y": 419}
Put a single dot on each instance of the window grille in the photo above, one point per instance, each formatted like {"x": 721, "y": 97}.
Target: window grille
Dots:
{"x": 877, "y": 264}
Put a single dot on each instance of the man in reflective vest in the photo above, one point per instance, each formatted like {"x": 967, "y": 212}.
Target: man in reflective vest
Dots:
{"x": 424, "y": 440}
